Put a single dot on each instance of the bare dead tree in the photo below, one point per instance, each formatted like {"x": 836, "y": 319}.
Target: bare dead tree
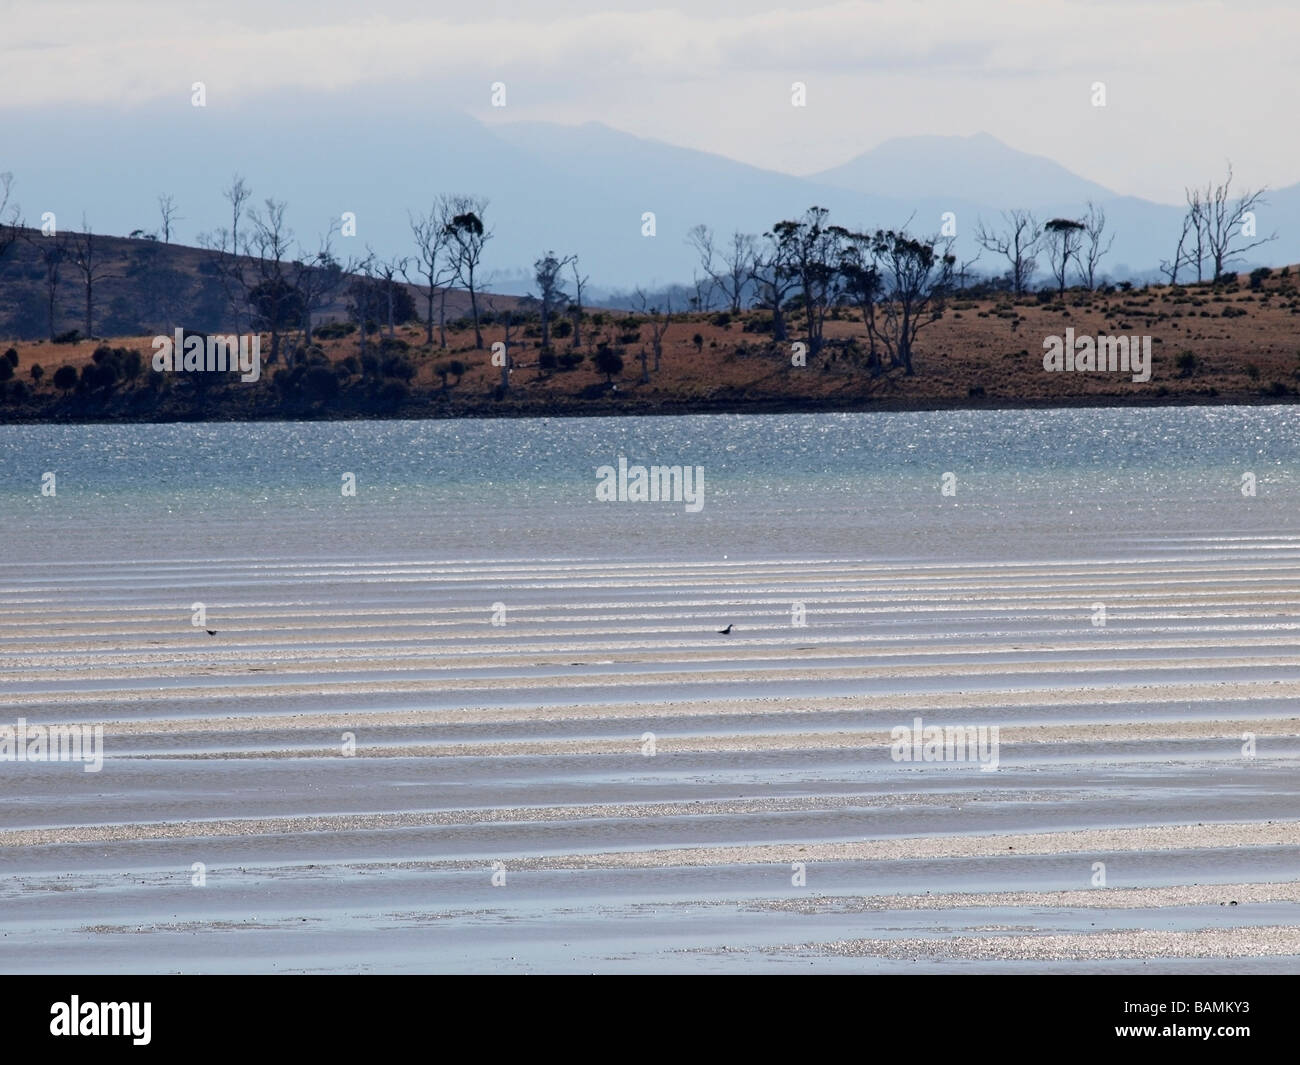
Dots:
{"x": 1197, "y": 224}
{"x": 11, "y": 222}
{"x": 361, "y": 293}
{"x": 659, "y": 327}
{"x": 546, "y": 272}
{"x": 389, "y": 270}
{"x": 659, "y": 322}
{"x": 86, "y": 254}
{"x": 230, "y": 273}
{"x": 1017, "y": 242}
{"x": 237, "y": 195}
{"x": 575, "y": 307}
{"x": 704, "y": 288}
{"x": 274, "y": 297}
{"x": 433, "y": 263}
{"x": 167, "y": 211}
{"x": 52, "y": 253}
{"x": 469, "y": 235}
{"x": 1094, "y": 233}
{"x": 317, "y": 276}
{"x": 732, "y": 268}
{"x": 1182, "y": 256}
{"x": 963, "y": 268}
{"x": 1226, "y": 224}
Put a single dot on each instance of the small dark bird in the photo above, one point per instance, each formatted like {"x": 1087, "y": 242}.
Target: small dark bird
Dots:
{"x": 725, "y": 632}
{"x": 210, "y": 632}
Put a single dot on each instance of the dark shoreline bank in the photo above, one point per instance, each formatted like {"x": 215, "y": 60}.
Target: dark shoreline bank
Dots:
{"x": 489, "y": 408}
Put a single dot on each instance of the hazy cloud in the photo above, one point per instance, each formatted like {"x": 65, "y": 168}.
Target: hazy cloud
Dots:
{"x": 716, "y": 74}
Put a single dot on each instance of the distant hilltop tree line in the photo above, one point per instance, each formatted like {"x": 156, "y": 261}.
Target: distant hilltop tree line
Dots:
{"x": 275, "y": 285}
{"x": 799, "y": 272}
{"x": 1217, "y": 230}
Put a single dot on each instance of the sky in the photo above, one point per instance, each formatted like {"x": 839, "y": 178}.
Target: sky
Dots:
{"x": 1188, "y": 84}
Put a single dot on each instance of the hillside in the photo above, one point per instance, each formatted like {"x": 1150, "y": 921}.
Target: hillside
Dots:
{"x": 146, "y": 287}
{"x": 1235, "y": 343}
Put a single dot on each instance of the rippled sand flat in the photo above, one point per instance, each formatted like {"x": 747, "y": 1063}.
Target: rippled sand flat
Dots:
{"x": 605, "y": 783}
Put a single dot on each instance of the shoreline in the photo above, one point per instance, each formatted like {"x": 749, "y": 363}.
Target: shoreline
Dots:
{"x": 492, "y": 409}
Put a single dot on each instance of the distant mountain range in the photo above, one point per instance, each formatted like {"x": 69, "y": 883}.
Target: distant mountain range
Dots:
{"x": 984, "y": 169}
{"x": 577, "y": 189}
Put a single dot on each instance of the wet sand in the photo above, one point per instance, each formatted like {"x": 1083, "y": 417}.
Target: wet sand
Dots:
{"x": 372, "y": 776}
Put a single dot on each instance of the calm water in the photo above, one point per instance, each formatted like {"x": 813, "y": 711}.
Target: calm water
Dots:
{"x": 1029, "y": 484}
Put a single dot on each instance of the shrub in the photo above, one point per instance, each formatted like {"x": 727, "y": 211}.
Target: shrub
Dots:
{"x": 65, "y": 377}
{"x": 698, "y": 341}
{"x": 609, "y": 363}
{"x": 72, "y": 336}
{"x": 37, "y": 372}
{"x": 334, "y": 330}
{"x": 569, "y": 360}
{"x": 98, "y": 375}
{"x": 1186, "y": 363}
{"x": 319, "y": 383}
{"x": 722, "y": 320}
{"x": 6, "y": 370}
{"x": 547, "y": 359}
{"x": 393, "y": 394}
{"x": 398, "y": 366}
{"x": 452, "y": 368}
{"x": 12, "y": 356}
